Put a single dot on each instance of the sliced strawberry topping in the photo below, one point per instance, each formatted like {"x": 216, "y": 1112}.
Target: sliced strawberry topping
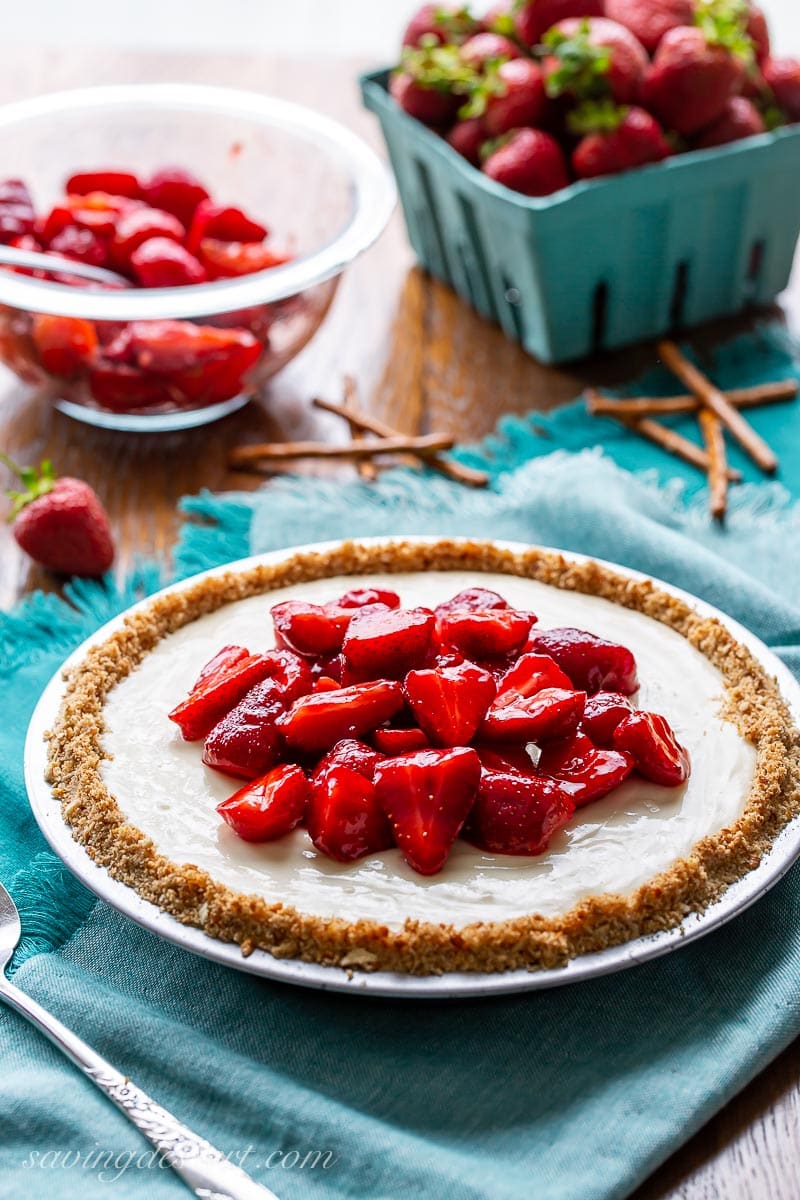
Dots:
{"x": 551, "y": 713}
{"x": 656, "y": 751}
{"x": 386, "y": 643}
{"x": 427, "y": 796}
{"x": 310, "y": 629}
{"x": 602, "y": 715}
{"x": 587, "y": 773}
{"x": 472, "y": 599}
{"x": 358, "y": 756}
{"x": 223, "y": 660}
{"x": 269, "y": 807}
{"x": 316, "y": 722}
{"x": 517, "y": 814}
{"x": 324, "y": 683}
{"x": 591, "y": 662}
{"x": 343, "y": 817}
{"x": 208, "y": 701}
{"x": 359, "y": 597}
{"x": 246, "y": 742}
{"x": 450, "y": 702}
{"x": 484, "y": 633}
{"x": 400, "y": 741}
{"x": 530, "y": 674}
{"x": 502, "y": 757}
{"x": 291, "y": 674}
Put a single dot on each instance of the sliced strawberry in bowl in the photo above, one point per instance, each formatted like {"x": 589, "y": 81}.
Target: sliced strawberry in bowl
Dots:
{"x": 484, "y": 633}
{"x": 449, "y": 703}
{"x": 268, "y": 807}
{"x": 114, "y": 183}
{"x": 427, "y": 796}
{"x": 517, "y": 814}
{"x": 312, "y": 630}
{"x": 361, "y": 597}
{"x": 400, "y": 741}
{"x": 475, "y": 599}
{"x": 386, "y": 643}
{"x": 657, "y": 753}
{"x": 593, "y": 663}
{"x": 586, "y": 772}
{"x": 213, "y": 697}
{"x": 315, "y": 723}
{"x": 223, "y": 223}
{"x": 246, "y": 741}
{"x": 551, "y": 713}
{"x": 343, "y": 817}
{"x": 531, "y": 673}
{"x": 356, "y": 755}
{"x": 176, "y": 191}
{"x": 229, "y": 260}
{"x": 602, "y": 715}
{"x": 161, "y": 262}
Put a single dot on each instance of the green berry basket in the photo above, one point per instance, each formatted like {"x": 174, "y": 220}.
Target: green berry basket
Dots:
{"x": 606, "y": 262}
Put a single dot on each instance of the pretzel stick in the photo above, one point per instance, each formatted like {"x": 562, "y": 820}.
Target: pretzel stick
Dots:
{"x": 366, "y": 469}
{"x": 652, "y": 406}
{"x": 669, "y": 440}
{"x": 445, "y": 466}
{"x": 714, "y": 438}
{"x": 429, "y": 443}
{"x": 712, "y": 398}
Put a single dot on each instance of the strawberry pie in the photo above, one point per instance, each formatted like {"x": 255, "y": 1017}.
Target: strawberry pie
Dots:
{"x": 424, "y": 756}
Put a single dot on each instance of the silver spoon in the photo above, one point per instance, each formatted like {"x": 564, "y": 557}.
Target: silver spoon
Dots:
{"x": 202, "y": 1168}
{"x": 13, "y": 256}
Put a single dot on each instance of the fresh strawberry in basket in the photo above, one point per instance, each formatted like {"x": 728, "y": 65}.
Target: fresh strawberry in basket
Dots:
{"x": 513, "y": 95}
{"x": 695, "y": 73}
{"x": 487, "y": 47}
{"x": 758, "y": 32}
{"x": 740, "y": 119}
{"x": 534, "y": 18}
{"x": 649, "y": 20}
{"x": 432, "y": 83}
{"x": 615, "y": 138}
{"x": 591, "y": 58}
{"x": 782, "y": 76}
{"x": 528, "y": 161}
{"x": 440, "y": 23}
{"x": 468, "y": 137}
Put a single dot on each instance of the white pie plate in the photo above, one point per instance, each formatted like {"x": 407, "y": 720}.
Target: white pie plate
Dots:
{"x": 739, "y": 896}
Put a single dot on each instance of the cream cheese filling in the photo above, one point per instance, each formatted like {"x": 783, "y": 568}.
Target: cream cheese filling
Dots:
{"x": 613, "y": 845}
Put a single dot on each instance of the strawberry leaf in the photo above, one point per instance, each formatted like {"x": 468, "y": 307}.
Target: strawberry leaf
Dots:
{"x": 597, "y": 116}
{"x": 457, "y": 24}
{"x": 724, "y": 23}
{"x": 440, "y": 68}
{"x": 36, "y": 483}
{"x": 582, "y": 67}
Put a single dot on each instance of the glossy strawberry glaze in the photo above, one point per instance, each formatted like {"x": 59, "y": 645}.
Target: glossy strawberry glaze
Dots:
{"x": 616, "y": 844}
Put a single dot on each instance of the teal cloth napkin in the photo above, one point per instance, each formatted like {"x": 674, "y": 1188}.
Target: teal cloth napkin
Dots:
{"x": 571, "y": 1094}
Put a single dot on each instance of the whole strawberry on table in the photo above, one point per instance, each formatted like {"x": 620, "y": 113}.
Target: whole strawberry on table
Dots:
{"x": 539, "y": 93}
{"x": 375, "y": 726}
{"x": 161, "y": 230}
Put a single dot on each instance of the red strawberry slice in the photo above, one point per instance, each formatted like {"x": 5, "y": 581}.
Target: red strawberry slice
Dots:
{"x": 360, "y": 597}
{"x": 475, "y": 599}
{"x": 246, "y": 742}
{"x": 530, "y": 674}
{"x": 592, "y": 663}
{"x": 587, "y": 773}
{"x": 449, "y": 703}
{"x": 269, "y": 807}
{"x": 386, "y": 643}
{"x": 506, "y": 758}
{"x": 290, "y": 673}
{"x": 343, "y": 817}
{"x": 210, "y": 701}
{"x": 355, "y": 755}
{"x": 310, "y": 629}
{"x": 517, "y": 814}
{"x": 316, "y": 722}
{"x": 400, "y": 741}
{"x": 427, "y": 796}
{"x": 602, "y": 715}
{"x": 324, "y": 683}
{"x": 657, "y": 753}
{"x": 551, "y": 713}
{"x": 223, "y": 660}
{"x": 485, "y": 634}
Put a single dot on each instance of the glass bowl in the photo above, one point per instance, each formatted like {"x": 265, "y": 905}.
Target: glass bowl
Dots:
{"x": 323, "y": 194}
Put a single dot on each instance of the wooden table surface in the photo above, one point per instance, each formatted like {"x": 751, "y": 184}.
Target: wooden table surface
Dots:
{"x": 423, "y": 362}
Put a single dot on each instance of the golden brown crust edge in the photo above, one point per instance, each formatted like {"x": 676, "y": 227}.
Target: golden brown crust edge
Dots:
{"x": 753, "y": 704}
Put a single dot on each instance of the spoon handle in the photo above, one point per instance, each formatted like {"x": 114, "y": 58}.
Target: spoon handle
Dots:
{"x": 202, "y": 1168}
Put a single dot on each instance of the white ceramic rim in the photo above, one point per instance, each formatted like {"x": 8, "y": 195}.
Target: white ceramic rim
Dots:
{"x": 373, "y": 189}
{"x": 738, "y": 897}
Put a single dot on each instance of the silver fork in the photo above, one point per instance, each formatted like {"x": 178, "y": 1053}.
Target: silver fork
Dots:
{"x": 202, "y": 1168}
